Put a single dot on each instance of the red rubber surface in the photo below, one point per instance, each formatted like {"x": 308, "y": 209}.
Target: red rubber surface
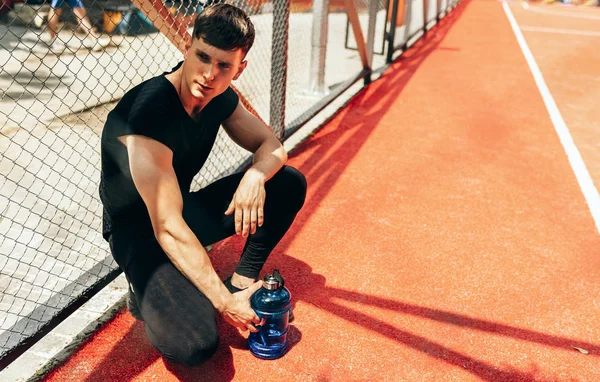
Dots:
{"x": 444, "y": 236}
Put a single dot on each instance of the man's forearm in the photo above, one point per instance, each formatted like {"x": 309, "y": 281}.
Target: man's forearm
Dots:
{"x": 269, "y": 158}
{"x": 190, "y": 258}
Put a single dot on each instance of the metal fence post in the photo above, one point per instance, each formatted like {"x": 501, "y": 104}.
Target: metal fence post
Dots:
{"x": 373, "y": 9}
{"x": 318, "y": 53}
{"x": 425, "y": 14}
{"x": 279, "y": 54}
{"x": 392, "y": 33}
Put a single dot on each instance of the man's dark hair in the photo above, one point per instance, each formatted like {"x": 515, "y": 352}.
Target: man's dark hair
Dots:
{"x": 225, "y": 27}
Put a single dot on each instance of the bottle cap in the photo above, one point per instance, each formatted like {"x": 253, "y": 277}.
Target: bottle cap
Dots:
{"x": 273, "y": 281}
{"x": 270, "y": 283}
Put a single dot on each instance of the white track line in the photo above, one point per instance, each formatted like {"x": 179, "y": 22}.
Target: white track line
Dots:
{"x": 566, "y": 14}
{"x": 581, "y": 173}
{"x": 561, "y": 31}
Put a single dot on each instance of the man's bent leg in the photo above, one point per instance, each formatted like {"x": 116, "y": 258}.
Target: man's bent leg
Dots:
{"x": 180, "y": 321}
{"x": 204, "y": 213}
{"x": 286, "y": 192}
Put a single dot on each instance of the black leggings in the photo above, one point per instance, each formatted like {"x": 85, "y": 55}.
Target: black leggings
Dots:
{"x": 180, "y": 321}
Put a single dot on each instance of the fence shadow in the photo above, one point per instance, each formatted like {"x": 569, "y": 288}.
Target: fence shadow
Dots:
{"x": 339, "y": 146}
{"x": 353, "y": 131}
{"x": 311, "y": 288}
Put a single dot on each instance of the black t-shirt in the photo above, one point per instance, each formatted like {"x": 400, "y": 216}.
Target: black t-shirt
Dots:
{"x": 153, "y": 109}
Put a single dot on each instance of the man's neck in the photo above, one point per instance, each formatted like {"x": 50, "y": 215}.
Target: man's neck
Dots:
{"x": 192, "y": 105}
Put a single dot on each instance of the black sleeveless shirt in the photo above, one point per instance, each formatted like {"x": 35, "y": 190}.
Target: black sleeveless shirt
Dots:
{"x": 153, "y": 109}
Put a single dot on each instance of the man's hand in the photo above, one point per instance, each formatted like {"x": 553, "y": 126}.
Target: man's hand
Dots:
{"x": 239, "y": 313}
{"x": 248, "y": 203}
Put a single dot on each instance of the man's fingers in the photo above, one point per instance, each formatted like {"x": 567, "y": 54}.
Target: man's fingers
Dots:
{"x": 251, "y": 325}
{"x": 253, "y": 217}
{"x": 232, "y": 322}
{"x": 261, "y": 207}
{"x": 238, "y": 220}
{"x": 257, "y": 320}
{"x": 231, "y": 207}
{"x": 240, "y": 323}
{"x": 253, "y": 288}
{"x": 246, "y": 222}
{"x": 260, "y": 215}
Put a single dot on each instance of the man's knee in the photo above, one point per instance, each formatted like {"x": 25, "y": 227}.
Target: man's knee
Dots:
{"x": 192, "y": 352}
{"x": 196, "y": 354}
{"x": 293, "y": 185}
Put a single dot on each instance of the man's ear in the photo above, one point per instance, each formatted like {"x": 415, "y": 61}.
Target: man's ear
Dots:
{"x": 240, "y": 69}
{"x": 186, "y": 49}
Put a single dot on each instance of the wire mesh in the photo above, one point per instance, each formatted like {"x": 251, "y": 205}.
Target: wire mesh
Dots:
{"x": 55, "y": 98}
{"x": 56, "y": 90}
{"x": 56, "y": 94}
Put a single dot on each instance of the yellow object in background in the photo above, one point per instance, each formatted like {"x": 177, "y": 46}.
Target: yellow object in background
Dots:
{"x": 111, "y": 20}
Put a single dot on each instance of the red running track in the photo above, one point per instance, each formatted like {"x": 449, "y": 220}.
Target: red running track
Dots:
{"x": 444, "y": 236}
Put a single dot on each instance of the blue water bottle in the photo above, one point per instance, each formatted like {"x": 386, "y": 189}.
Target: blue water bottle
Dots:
{"x": 271, "y": 302}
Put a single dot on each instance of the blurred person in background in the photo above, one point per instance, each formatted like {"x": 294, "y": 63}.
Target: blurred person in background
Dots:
{"x": 92, "y": 40}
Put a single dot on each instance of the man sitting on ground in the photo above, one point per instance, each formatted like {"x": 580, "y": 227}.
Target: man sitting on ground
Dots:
{"x": 154, "y": 142}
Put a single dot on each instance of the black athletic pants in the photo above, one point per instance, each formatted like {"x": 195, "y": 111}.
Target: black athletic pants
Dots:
{"x": 180, "y": 321}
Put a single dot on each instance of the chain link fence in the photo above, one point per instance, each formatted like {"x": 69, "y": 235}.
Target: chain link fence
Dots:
{"x": 57, "y": 89}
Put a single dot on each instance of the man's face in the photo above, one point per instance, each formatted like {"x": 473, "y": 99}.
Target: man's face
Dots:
{"x": 209, "y": 71}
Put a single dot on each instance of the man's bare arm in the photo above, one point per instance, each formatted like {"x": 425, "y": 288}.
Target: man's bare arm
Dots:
{"x": 269, "y": 156}
{"x": 151, "y": 168}
{"x": 250, "y": 133}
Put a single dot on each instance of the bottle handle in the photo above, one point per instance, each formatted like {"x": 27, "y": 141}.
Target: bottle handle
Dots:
{"x": 278, "y": 277}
